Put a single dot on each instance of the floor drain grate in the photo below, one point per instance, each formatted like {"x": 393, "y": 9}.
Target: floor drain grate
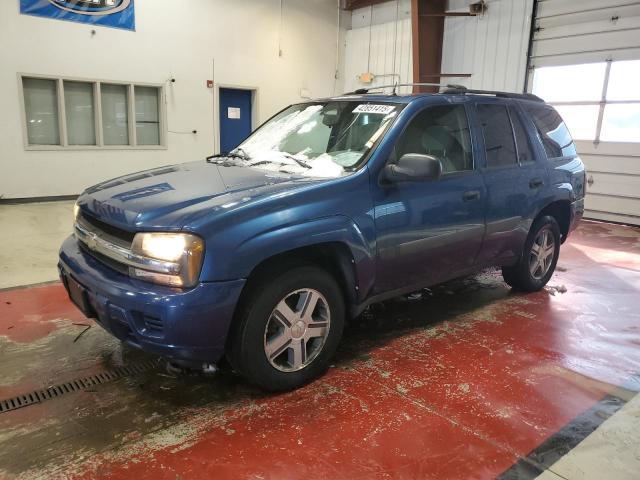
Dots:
{"x": 38, "y": 396}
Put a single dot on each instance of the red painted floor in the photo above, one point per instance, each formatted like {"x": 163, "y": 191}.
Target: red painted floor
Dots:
{"x": 460, "y": 384}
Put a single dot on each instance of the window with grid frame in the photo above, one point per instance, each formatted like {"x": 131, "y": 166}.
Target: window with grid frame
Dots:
{"x": 74, "y": 113}
{"x": 598, "y": 101}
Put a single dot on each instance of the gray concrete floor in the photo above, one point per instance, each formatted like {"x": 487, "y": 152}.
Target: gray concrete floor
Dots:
{"x": 31, "y": 235}
{"x": 611, "y": 452}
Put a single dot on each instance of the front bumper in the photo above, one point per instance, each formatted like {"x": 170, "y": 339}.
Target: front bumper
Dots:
{"x": 189, "y": 325}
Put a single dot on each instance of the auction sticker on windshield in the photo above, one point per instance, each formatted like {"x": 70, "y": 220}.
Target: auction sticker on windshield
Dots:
{"x": 372, "y": 108}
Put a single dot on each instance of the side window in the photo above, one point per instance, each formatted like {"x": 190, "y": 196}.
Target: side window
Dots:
{"x": 441, "y": 131}
{"x": 525, "y": 152}
{"x": 498, "y": 135}
{"x": 553, "y": 132}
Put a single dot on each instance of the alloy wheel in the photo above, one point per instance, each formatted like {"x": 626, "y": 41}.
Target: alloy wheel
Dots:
{"x": 297, "y": 330}
{"x": 542, "y": 254}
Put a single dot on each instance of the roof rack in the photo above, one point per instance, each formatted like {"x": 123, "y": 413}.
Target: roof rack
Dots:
{"x": 362, "y": 91}
{"x": 520, "y": 96}
{"x": 451, "y": 89}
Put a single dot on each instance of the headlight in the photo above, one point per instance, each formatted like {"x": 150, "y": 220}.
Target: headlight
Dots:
{"x": 182, "y": 252}
{"x": 76, "y": 211}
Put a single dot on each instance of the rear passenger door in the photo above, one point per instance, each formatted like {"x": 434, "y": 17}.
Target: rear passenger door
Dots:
{"x": 514, "y": 178}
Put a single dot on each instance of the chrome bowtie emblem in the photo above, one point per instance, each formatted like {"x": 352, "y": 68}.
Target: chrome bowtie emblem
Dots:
{"x": 92, "y": 241}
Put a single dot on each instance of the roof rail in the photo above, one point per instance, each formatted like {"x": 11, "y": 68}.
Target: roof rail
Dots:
{"x": 520, "y": 96}
{"x": 450, "y": 89}
{"x": 362, "y": 91}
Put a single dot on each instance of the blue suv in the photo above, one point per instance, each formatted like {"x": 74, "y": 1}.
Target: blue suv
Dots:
{"x": 262, "y": 253}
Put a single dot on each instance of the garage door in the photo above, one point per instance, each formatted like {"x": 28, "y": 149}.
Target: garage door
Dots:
{"x": 585, "y": 60}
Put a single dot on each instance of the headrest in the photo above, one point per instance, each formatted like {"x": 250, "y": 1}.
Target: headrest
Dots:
{"x": 437, "y": 137}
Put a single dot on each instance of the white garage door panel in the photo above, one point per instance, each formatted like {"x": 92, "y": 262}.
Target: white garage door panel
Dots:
{"x": 615, "y": 40}
{"x": 604, "y": 25}
{"x": 586, "y": 57}
{"x": 596, "y": 203}
{"x": 612, "y": 217}
{"x": 614, "y": 168}
{"x": 609, "y": 148}
{"x": 611, "y": 164}
{"x": 588, "y": 16}
{"x": 614, "y": 194}
{"x": 606, "y": 183}
{"x": 547, "y": 8}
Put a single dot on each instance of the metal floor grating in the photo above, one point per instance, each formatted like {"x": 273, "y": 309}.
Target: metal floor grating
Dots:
{"x": 77, "y": 385}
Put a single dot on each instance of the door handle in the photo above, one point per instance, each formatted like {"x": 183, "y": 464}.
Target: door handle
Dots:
{"x": 535, "y": 183}
{"x": 471, "y": 195}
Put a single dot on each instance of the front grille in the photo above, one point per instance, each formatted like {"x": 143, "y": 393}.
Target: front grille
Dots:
{"x": 109, "y": 262}
{"x": 104, "y": 230}
{"x": 112, "y": 234}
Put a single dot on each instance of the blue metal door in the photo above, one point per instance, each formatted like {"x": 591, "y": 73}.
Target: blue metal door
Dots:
{"x": 235, "y": 117}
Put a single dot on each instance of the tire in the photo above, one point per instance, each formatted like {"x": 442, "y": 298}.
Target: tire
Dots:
{"x": 533, "y": 271}
{"x": 277, "y": 357}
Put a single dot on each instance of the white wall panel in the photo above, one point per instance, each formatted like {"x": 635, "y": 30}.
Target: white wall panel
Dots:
{"x": 382, "y": 47}
{"x": 173, "y": 39}
{"x": 491, "y": 47}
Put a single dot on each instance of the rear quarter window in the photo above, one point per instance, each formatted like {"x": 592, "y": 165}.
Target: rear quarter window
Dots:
{"x": 553, "y": 132}
{"x": 523, "y": 143}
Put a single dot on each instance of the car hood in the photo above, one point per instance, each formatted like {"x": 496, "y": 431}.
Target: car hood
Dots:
{"x": 169, "y": 198}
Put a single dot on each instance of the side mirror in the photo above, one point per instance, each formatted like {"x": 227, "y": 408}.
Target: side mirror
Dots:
{"x": 413, "y": 167}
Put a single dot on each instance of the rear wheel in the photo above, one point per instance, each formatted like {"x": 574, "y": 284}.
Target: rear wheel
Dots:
{"x": 539, "y": 257}
{"x": 289, "y": 328}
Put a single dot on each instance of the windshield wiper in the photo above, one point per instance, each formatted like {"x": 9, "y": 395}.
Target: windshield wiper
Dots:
{"x": 283, "y": 164}
{"x": 238, "y": 152}
{"x": 226, "y": 160}
{"x": 235, "y": 153}
{"x": 297, "y": 160}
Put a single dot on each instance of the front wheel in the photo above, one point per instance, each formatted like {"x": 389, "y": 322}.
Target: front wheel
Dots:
{"x": 539, "y": 257}
{"x": 289, "y": 328}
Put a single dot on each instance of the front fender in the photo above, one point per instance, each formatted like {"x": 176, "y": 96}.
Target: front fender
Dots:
{"x": 335, "y": 228}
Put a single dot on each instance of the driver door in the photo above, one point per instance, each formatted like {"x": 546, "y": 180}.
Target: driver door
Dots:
{"x": 431, "y": 231}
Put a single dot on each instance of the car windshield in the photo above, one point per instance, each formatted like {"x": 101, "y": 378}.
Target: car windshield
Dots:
{"x": 317, "y": 139}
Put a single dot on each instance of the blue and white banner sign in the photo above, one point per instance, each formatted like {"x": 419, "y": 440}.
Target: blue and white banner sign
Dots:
{"x": 108, "y": 13}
